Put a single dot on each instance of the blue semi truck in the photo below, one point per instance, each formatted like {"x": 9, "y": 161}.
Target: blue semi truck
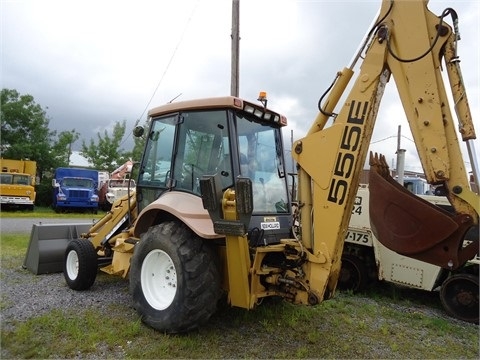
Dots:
{"x": 75, "y": 189}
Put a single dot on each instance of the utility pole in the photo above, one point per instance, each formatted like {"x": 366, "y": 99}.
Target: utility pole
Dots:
{"x": 234, "y": 84}
{"x": 400, "y": 158}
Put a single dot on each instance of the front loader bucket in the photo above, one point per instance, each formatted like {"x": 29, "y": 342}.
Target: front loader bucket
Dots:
{"x": 46, "y": 250}
{"x": 412, "y": 226}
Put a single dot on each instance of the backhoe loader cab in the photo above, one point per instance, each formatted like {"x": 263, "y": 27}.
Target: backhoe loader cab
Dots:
{"x": 227, "y": 137}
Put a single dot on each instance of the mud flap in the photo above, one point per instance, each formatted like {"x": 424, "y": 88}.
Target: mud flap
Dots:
{"x": 412, "y": 226}
{"x": 46, "y": 249}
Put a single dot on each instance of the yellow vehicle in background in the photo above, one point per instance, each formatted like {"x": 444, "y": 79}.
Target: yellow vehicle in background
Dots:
{"x": 17, "y": 183}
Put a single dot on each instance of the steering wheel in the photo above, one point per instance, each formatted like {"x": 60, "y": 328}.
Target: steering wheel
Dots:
{"x": 192, "y": 168}
{"x": 191, "y": 173}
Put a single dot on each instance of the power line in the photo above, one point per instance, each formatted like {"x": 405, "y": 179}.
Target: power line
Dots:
{"x": 390, "y": 137}
{"x": 169, "y": 63}
{"x": 165, "y": 71}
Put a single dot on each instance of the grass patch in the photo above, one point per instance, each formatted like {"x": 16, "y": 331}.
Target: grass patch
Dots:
{"x": 344, "y": 327}
{"x": 12, "y": 245}
{"x": 13, "y": 248}
{"x": 64, "y": 334}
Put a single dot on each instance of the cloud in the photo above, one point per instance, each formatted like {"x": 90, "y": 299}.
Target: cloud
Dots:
{"x": 96, "y": 62}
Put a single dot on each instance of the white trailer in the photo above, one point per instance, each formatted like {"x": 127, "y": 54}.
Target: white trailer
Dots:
{"x": 365, "y": 260}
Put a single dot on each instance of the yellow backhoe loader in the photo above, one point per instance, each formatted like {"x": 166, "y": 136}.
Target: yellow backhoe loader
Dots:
{"x": 211, "y": 212}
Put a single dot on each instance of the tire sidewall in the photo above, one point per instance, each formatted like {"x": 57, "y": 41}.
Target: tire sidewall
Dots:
{"x": 177, "y": 317}
{"x": 87, "y": 264}
{"x": 151, "y": 242}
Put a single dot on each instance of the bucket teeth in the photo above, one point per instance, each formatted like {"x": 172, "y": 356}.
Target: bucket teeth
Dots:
{"x": 378, "y": 162}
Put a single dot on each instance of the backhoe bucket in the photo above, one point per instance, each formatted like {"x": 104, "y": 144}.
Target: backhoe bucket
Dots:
{"x": 411, "y": 226}
{"x": 46, "y": 250}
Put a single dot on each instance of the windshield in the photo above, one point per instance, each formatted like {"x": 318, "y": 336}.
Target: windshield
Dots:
{"x": 78, "y": 182}
{"x": 14, "y": 179}
{"x": 183, "y": 147}
{"x": 155, "y": 168}
{"x": 202, "y": 149}
{"x": 121, "y": 183}
{"x": 260, "y": 153}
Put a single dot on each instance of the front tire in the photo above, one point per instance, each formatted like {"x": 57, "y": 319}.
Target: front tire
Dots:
{"x": 80, "y": 264}
{"x": 174, "y": 279}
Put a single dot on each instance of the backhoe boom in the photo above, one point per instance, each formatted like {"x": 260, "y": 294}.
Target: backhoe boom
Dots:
{"x": 408, "y": 42}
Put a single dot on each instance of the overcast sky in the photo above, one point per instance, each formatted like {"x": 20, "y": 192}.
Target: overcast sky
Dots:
{"x": 92, "y": 63}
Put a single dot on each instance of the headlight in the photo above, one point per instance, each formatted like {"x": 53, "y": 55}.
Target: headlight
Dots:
{"x": 258, "y": 113}
{"x": 249, "y": 109}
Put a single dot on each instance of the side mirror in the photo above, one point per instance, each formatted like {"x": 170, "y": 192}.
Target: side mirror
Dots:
{"x": 138, "y": 131}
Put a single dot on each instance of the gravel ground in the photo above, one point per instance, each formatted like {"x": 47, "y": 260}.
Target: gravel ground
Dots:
{"x": 25, "y": 295}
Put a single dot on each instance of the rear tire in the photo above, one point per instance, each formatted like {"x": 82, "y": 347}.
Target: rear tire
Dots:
{"x": 80, "y": 264}
{"x": 174, "y": 279}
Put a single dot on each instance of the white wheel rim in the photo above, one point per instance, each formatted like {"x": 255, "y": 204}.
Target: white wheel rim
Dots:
{"x": 158, "y": 279}
{"x": 72, "y": 265}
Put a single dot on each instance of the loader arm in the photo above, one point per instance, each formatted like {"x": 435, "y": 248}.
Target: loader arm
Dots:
{"x": 409, "y": 42}
{"x": 121, "y": 216}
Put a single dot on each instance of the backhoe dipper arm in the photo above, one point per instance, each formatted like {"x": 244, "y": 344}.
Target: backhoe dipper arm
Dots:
{"x": 407, "y": 224}
{"x": 421, "y": 89}
{"x": 409, "y": 42}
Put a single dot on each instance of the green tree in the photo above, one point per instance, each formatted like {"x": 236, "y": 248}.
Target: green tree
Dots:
{"x": 62, "y": 147}
{"x": 25, "y": 134}
{"x": 24, "y": 130}
{"x": 106, "y": 154}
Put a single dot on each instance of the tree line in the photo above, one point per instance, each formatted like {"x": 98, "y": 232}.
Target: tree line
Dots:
{"x": 25, "y": 134}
